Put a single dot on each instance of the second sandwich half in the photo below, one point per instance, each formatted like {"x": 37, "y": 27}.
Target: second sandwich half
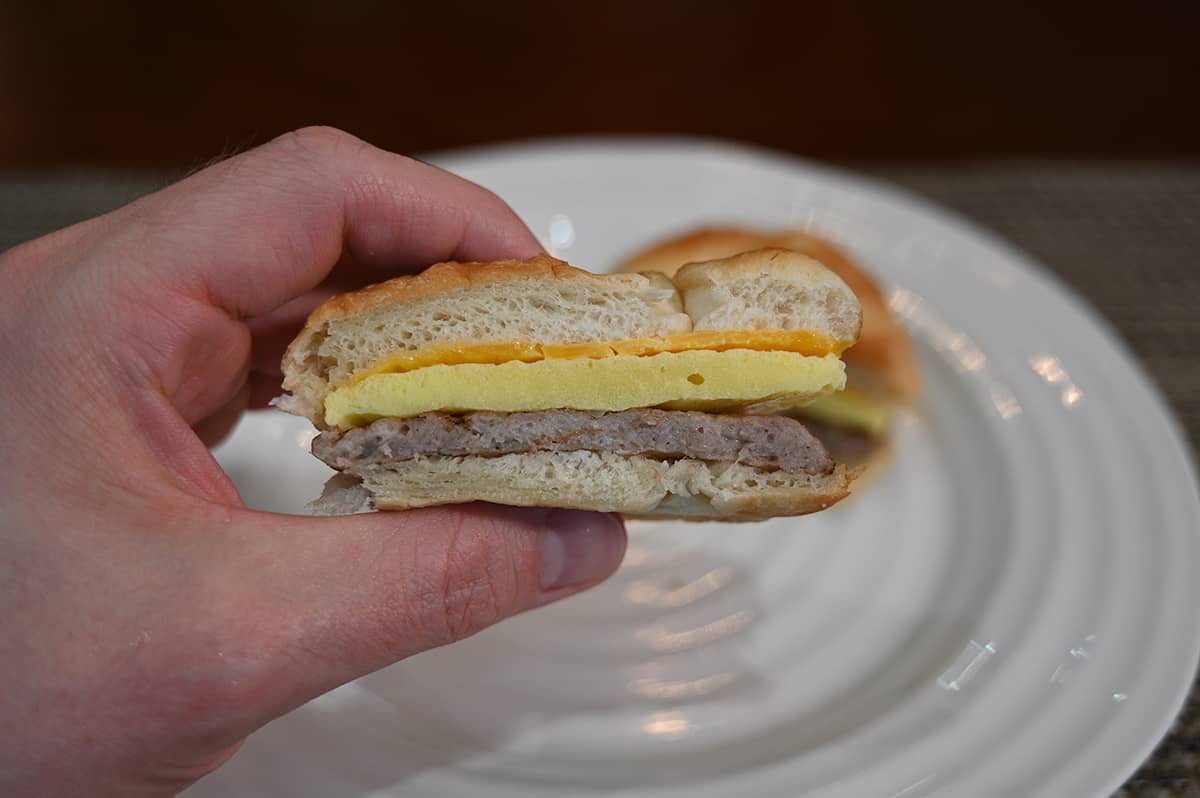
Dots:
{"x": 535, "y": 383}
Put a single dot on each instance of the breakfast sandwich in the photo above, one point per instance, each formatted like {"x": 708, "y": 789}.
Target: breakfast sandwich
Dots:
{"x": 882, "y": 377}
{"x": 539, "y": 384}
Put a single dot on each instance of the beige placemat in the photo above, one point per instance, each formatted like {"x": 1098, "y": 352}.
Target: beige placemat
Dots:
{"x": 1126, "y": 237}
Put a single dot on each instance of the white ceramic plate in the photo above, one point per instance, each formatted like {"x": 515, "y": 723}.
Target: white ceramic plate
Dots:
{"x": 1010, "y": 610}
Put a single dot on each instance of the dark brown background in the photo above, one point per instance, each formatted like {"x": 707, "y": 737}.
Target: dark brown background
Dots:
{"x": 152, "y": 84}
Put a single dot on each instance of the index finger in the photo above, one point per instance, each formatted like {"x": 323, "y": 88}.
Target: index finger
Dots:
{"x": 263, "y": 227}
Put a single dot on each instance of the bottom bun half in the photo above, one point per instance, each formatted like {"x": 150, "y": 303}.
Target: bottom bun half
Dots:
{"x": 631, "y": 485}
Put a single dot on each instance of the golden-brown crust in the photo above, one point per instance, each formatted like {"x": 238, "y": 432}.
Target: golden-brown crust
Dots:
{"x": 883, "y": 347}
{"x": 441, "y": 278}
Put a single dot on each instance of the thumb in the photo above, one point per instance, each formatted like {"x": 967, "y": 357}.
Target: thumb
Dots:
{"x": 317, "y": 602}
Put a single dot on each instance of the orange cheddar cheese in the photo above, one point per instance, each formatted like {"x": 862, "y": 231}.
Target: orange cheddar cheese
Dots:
{"x": 804, "y": 342}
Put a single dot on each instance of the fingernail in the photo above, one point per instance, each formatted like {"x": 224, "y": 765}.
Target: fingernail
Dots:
{"x": 578, "y": 547}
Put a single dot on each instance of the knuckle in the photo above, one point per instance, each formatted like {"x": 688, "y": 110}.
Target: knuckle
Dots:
{"x": 304, "y": 157}
{"x": 317, "y": 141}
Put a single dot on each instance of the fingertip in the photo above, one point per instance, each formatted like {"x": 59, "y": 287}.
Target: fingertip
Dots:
{"x": 524, "y": 245}
{"x": 578, "y": 548}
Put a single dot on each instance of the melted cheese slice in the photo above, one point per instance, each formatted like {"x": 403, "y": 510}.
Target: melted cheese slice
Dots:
{"x": 804, "y": 342}
{"x": 699, "y": 379}
{"x": 852, "y": 408}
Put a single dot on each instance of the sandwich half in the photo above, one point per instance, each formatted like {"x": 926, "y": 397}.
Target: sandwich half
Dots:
{"x": 535, "y": 383}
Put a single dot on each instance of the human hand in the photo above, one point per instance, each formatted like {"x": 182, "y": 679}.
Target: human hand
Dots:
{"x": 151, "y": 622}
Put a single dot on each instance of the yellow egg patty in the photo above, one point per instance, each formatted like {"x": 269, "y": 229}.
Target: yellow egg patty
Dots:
{"x": 695, "y": 379}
